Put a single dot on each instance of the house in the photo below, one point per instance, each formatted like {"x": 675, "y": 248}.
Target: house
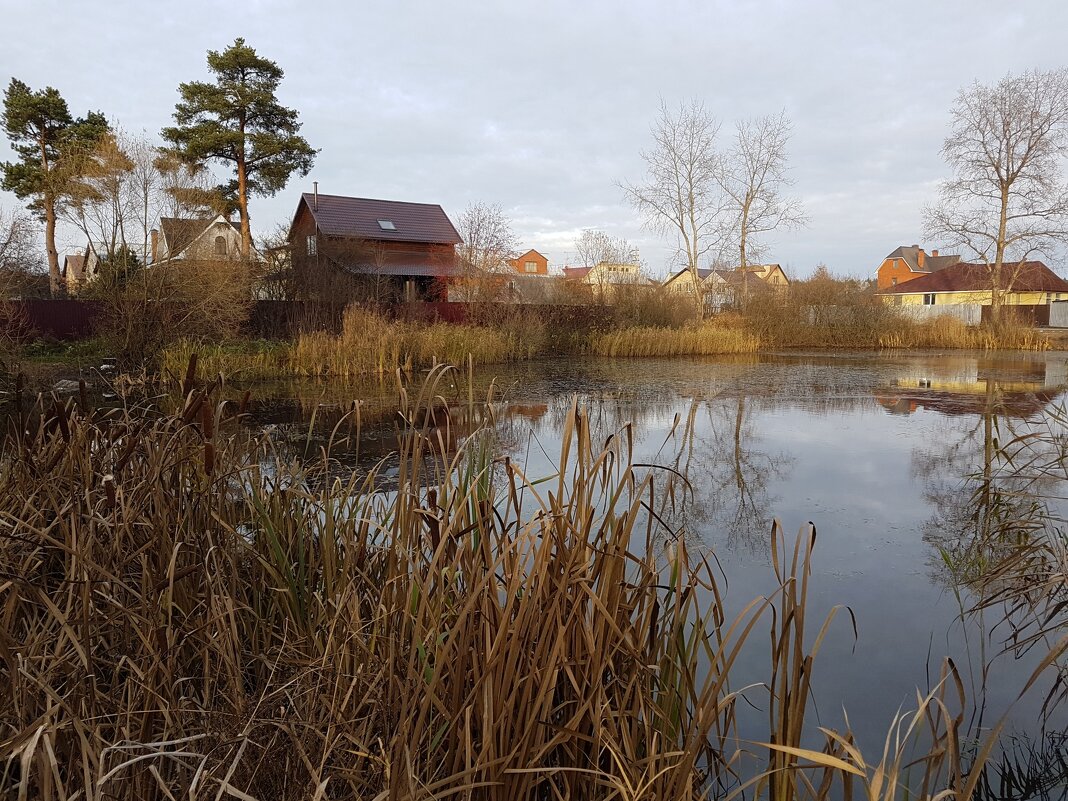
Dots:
{"x": 605, "y": 278}
{"x": 383, "y": 250}
{"x": 1032, "y": 283}
{"x": 725, "y": 289}
{"x": 203, "y": 239}
{"x": 530, "y": 263}
{"x": 73, "y": 272}
{"x": 907, "y": 263}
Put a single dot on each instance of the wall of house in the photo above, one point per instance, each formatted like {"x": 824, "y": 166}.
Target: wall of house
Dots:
{"x": 541, "y": 264}
{"x": 203, "y": 248}
{"x": 982, "y": 298}
{"x": 892, "y": 269}
{"x": 317, "y": 275}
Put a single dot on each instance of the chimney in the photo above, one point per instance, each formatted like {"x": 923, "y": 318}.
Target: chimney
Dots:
{"x": 934, "y": 254}
{"x": 315, "y": 195}
{"x": 155, "y": 244}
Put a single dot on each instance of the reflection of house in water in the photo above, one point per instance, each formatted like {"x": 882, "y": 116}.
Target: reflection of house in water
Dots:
{"x": 963, "y": 386}
{"x": 531, "y": 411}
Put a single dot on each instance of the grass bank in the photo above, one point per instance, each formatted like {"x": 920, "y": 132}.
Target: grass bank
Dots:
{"x": 186, "y": 614}
{"x": 696, "y": 339}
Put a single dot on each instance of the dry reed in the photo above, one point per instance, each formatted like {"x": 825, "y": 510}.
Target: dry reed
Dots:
{"x": 705, "y": 339}
{"x": 186, "y": 614}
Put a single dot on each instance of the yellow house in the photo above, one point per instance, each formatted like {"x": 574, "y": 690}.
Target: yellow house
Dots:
{"x": 605, "y": 277}
{"x": 721, "y": 288}
{"x": 1030, "y": 283}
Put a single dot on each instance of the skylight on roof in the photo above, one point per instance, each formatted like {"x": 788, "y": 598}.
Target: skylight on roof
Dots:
{"x": 387, "y": 225}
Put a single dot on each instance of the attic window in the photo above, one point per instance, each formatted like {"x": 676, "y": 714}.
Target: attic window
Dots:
{"x": 387, "y": 225}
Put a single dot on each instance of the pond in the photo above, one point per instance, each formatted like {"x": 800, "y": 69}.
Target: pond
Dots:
{"x": 884, "y": 455}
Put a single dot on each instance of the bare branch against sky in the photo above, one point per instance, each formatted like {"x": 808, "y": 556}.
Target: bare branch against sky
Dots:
{"x": 440, "y": 106}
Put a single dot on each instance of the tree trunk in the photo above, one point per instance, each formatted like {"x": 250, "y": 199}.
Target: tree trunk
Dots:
{"x": 242, "y": 206}
{"x": 999, "y": 258}
{"x": 55, "y": 280}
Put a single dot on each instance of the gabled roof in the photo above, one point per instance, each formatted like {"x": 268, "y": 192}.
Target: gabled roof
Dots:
{"x": 179, "y": 233}
{"x": 910, "y": 255}
{"x": 1031, "y": 276}
{"x": 359, "y": 218}
{"x": 931, "y": 264}
{"x": 576, "y": 272}
{"x": 74, "y": 265}
{"x": 702, "y": 274}
{"x": 522, "y": 256}
{"x": 740, "y": 279}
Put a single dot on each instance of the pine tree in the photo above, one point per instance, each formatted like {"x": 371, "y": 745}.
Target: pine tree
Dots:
{"x": 52, "y": 147}
{"x": 238, "y": 120}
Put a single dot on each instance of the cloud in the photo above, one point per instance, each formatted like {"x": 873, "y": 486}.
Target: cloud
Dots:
{"x": 544, "y": 107}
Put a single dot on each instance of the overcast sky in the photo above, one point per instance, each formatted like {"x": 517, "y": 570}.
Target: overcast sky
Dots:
{"x": 543, "y": 107}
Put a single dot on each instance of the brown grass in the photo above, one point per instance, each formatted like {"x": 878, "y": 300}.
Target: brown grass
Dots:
{"x": 186, "y": 614}
{"x": 705, "y": 339}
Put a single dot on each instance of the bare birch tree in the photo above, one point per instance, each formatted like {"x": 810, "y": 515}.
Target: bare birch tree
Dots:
{"x": 1007, "y": 200}
{"x": 488, "y": 238}
{"x": 20, "y": 254}
{"x": 754, "y": 176}
{"x": 680, "y": 194}
{"x": 593, "y": 247}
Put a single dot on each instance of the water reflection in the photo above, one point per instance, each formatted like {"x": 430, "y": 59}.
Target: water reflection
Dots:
{"x": 906, "y": 464}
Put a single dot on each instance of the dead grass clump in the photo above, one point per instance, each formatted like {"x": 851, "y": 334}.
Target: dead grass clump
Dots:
{"x": 705, "y": 339}
{"x": 186, "y": 614}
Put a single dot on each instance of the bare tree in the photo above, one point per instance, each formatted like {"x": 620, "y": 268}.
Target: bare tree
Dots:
{"x": 20, "y": 256}
{"x": 488, "y": 238}
{"x": 680, "y": 194}
{"x": 753, "y": 176}
{"x": 594, "y": 247}
{"x": 1007, "y": 200}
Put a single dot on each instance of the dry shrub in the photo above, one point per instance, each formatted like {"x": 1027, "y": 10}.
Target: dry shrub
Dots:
{"x": 704, "y": 339}
{"x": 198, "y": 301}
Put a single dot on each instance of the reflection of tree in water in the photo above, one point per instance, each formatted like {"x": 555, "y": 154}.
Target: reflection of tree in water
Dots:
{"x": 996, "y": 534}
{"x": 729, "y": 473}
{"x": 986, "y": 505}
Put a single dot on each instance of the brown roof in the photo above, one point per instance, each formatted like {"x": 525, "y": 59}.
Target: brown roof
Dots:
{"x": 576, "y": 272}
{"x": 1031, "y": 276}
{"x": 358, "y": 217}
{"x": 179, "y": 232}
{"x": 738, "y": 278}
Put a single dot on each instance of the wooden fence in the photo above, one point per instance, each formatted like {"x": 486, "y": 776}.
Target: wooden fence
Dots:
{"x": 68, "y": 320}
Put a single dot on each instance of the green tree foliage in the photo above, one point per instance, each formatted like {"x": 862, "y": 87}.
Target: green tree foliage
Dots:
{"x": 239, "y": 121}
{"x": 52, "y": 148}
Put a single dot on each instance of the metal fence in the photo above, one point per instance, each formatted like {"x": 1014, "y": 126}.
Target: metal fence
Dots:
{"x": 970, "y": 313}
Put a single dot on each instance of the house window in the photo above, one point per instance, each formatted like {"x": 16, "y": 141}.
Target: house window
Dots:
{"x": 929, "y": 299}
{"x": 893, "y": 282}
{"x": 220, "y": 246}
{"x": 530, "y": 266}
{"x": 313, "y": 246}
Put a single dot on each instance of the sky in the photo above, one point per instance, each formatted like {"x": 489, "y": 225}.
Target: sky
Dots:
{"x": 544, "y": 107}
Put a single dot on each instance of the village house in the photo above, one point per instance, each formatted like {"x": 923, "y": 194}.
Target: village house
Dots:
{"x": 1032, "y": 284}
{"x": 204, "y": 239}
{"x": 348, "y": 248}
{"x": 604, "y": 278}
{"x": 530, "y": 263}
{"x": 724, "y": 289}
{"x": 907, "y": 263}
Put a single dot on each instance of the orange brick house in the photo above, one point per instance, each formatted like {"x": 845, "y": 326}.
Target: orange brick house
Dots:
{"x": 530, "y": 263}
{"x": 906, "y": 263}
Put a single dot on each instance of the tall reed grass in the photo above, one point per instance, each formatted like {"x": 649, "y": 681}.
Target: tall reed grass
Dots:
{"x": 368, "y": 344}
{"x": 704, "y": 339}
{"x": 186, "y": 614}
